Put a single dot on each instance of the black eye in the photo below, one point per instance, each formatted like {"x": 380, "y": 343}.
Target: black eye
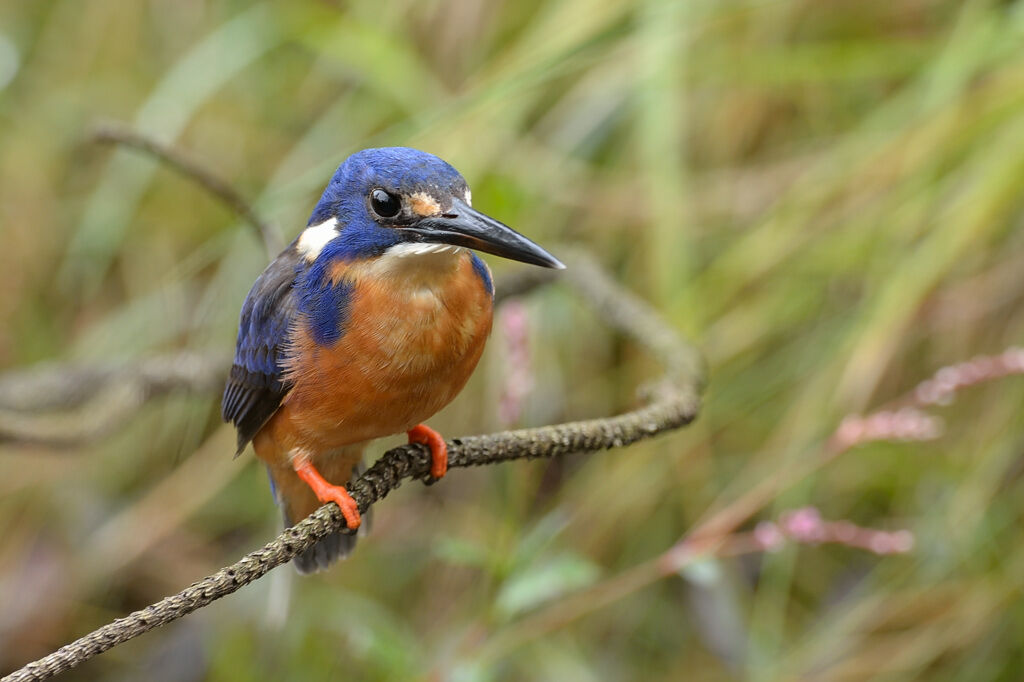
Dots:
{"x": 385, "y": 204}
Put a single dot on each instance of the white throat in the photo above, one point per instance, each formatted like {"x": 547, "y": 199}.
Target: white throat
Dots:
{"x": 421, "y": 265}
{"x": 415, "y": 250}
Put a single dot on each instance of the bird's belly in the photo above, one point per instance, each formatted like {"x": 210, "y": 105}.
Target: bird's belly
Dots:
{"x": 403, "y": 356}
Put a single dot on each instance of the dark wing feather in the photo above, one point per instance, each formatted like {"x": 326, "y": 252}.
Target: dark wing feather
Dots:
{"x": 256, "y": 383}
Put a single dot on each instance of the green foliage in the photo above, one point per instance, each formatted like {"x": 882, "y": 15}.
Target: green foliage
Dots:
{"x": 828, "y": 196}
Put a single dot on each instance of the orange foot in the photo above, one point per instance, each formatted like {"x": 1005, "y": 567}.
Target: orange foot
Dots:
{"x": 421, "y": 433}
{"x": 328, "y": 492}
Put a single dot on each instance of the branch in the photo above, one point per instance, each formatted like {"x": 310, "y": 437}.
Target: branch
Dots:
{"x": 900, "y": 419}
{"x": 95, "y": 399}
{"x": 676, "y": 403}
{"x": 117, "y": 133}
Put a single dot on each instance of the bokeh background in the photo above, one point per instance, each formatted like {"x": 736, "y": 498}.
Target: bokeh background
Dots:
{"x": 826, "y": 196}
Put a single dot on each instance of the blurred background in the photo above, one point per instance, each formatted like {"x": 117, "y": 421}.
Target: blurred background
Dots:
{"x": 826, "y": 197}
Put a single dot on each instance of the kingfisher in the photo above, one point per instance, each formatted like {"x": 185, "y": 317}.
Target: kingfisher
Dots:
{"x": 365, "y": 326}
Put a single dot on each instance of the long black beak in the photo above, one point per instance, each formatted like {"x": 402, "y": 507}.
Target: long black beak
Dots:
{"x": 464, "y": 226}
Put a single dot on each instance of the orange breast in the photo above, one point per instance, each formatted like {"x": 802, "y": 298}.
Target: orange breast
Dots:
{"x": 415, "y": 331}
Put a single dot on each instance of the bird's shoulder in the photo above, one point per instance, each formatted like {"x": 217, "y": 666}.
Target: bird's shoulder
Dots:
{"x": 256, "y": 384}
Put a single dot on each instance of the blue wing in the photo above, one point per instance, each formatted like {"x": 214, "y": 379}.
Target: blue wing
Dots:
{"x": 256, "y": 384}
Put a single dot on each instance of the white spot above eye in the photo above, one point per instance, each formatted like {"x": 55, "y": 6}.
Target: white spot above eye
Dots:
{"x": 315, "y": 237}
{"x": 469, "y": 197}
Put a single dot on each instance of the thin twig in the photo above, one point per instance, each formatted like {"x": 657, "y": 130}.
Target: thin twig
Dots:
{"x": 676, "y": 404}
{"x": 66, "y": 405}
{"x": 117, "y": 133}
{"x": 712, "y": 536}
{"x": 62, "y": 386}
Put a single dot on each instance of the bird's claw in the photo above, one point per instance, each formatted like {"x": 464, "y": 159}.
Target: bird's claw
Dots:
{"x": 421, "y": 433}
{"x": 328, "y": 492}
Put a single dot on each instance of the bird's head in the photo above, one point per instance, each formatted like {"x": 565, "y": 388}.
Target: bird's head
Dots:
{"x": 379, "y": 199}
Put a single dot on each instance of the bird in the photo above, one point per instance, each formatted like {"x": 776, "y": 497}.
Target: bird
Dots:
{"x": 365, "y": 326}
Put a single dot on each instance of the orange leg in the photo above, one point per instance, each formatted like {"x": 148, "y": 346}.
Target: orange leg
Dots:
{"x": 328, "y": 492}
{"x": 421, "y": 433}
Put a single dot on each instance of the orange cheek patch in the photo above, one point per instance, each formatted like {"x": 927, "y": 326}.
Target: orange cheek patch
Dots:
{"x": 424, "y": 205}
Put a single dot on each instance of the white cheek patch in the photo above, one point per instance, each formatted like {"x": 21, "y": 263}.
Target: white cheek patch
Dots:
{"x": 469, "y": 197}
{"x": 315, "y": 237}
